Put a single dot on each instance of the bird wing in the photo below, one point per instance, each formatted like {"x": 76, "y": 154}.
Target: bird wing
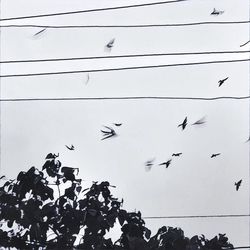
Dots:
{"x": 105, "y": 132}
{"x": 39, "y": 32}
{"x": 108, "y": 136}
{"x": 108, "y": 128}
{"x": 200, "y": 121}
{"x": 163, "y": 163}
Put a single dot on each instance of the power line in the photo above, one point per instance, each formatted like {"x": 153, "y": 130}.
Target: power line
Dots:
{"x": 122, "y": 26}
{"x": 120, "y": 69}
{"x": 125, "y": 98}
{"x": 196, "y": 216}
{"x": 124, "y": 56}
{"x": 245, "y": 247}
{"x": 92, "y": 10}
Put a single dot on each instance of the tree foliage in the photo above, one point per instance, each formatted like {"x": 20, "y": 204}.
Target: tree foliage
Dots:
{"x": 49, "y": 209}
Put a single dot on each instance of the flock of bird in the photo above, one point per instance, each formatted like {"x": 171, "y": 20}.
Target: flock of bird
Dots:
{"x": 109, "y": 132}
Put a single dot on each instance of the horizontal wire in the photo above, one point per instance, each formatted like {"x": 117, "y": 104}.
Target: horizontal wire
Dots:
{"x": 120, "y": 69}
{"x": 196, "y": 216}
{"x": 125, "y": 56}
{"x": 245, "y": 247}
{"x": 123, "y": 26}
{"x": 126, "y": 98}
{"x": 91, "y": 10}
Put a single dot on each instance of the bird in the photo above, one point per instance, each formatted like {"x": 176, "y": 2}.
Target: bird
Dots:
{"x": 149, "y": 164}
{"x": 245, "y": 43}
{"x": 117, "y": 124}
{"x": 215, "y": 155}
{"x": 200, "y": 121}
{"x": 70, "y": 148}
{"x": 39, "y": 32}
{"x": 183, "y": 124}
{"x": 216, "y": 12}
{"x": 237, "y": 184}
{"x": 108, "y": 134}
{"x": 87, "y": 79}
{"x": 110, "y": 44}
{"x": 176, "y": 154}
{"x": 166, "y": 163}
{"x": 222, "y": 81}
{"x": 2, "y": 177}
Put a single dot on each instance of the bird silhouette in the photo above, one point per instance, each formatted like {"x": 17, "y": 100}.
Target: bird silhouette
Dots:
{"x": 245, "y": 43}
{"x": 200, "y": 121}
{"x": 237, "y": 184}
{"x": 183, "y": 124}
{"x": 117, "y": 124}
{"x": 109, "y": 133}
{"x": 70, "y": 148}
{"x": 222, "y": 81}
{"x": 149, "y": 164}
{"x": 39, "y": 32}
{"x": 215, "y": 155}
{"x": 110, "y": 44}
{"x": 2, "y": 177}
{"x": 166, "y": 163}
{"x": 176, "y": 154}
{"x": 216, "y": 12}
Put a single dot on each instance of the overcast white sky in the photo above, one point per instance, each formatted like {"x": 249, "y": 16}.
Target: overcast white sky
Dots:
{"x": 194, "y": 184}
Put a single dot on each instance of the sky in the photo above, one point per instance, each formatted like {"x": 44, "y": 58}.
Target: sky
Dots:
{"x": 194, "y": 184}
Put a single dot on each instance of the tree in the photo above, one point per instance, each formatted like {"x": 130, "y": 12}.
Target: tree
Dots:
{"x": 49, "y": 209}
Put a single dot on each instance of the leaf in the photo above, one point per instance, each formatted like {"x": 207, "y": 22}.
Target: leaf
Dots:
{"x": 147, "y": 233}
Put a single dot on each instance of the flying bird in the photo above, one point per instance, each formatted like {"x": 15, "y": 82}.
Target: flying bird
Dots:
{"x": 110, "y": 132}
{"x": 166, "y": 163}
{"x": 110, "y": 44}
{"x": 149, "y": 164}
{"x": 216, "y": 12}
{"x": 222, "y": 81}
{"x": 70, "y": 148}
{"x": 237, "y": 184}
{"x": 2, "y": 177}
{"x": 117, "y": 124}
{"x": 176, "y": 154}
{"x": 39, "y": 32}
{"x": 200, "y": 121}
{"x": 183, "y": 124}
{"x": 245, "y": 43}
{"x": 215, "y": 155}
{"x": 87, "y": 79}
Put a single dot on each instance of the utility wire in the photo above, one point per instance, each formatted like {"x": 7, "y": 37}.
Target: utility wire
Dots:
{"x": 120, "y": 69}
{"x": 125, "y": 98}
{"x": 125, "y": 56}
{"x": 197, "y": 216}
{"x": 92, "y": 10}
{"x": 121, "y": 26}
{"x": 245, "y": 247}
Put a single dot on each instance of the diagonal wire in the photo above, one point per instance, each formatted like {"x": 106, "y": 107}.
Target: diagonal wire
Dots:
{"x": 124, "y": 56}
{"x": 120, "y": 69}
{"x": 92, "y": 10}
